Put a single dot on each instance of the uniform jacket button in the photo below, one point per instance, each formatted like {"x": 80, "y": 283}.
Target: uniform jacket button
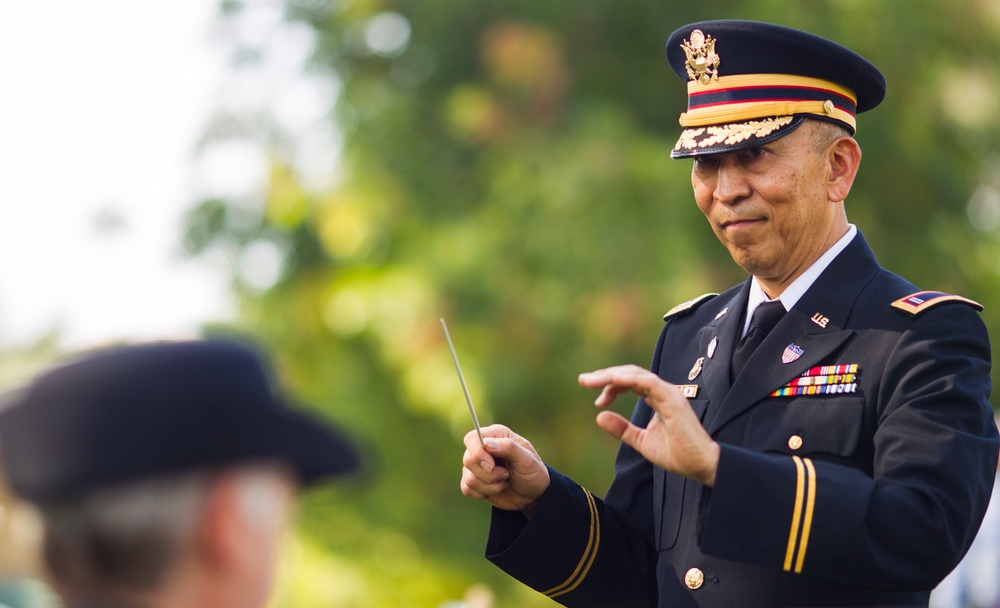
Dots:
{"x": 794, "y": 442}
{"x": 694, "y": 578}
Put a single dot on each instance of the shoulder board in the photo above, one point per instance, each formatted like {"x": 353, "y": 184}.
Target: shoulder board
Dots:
{"x": 690, "y": 305}
{"x": 917, "y": 303}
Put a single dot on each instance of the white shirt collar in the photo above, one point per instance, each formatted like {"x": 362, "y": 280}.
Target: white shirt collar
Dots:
{"x": 800, "y": 285}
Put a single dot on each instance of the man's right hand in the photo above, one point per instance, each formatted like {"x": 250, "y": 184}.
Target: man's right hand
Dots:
{"x": 508, "y": 473}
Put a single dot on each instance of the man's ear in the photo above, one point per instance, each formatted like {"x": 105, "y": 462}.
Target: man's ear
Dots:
{"x": 844, "y": 156}
{"x": 221, "y": 525}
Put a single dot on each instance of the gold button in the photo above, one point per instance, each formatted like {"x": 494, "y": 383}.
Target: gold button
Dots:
{"x": 694, "y": 578}
{"x": 795, "y": 442}
{"x": 828, "y": 107}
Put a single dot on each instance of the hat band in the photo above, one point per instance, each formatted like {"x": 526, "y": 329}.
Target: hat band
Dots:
{"x": 749, "y": 96}
{"x": 749, "y": 111}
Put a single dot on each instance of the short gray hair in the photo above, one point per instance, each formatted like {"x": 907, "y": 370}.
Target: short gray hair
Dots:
{"x": 130, "y": 536}
{"x": 824, "y": 133}
{"x": 125, "y": 536}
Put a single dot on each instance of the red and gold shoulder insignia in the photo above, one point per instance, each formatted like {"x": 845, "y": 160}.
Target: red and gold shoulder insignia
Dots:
{"x": 690, "y": 305}
{"x": 917, "y": 303}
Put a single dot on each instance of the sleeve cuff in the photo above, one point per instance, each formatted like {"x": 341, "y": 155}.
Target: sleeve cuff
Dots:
{"x": 558, "y": 544}
{"x": 761, "y": 508}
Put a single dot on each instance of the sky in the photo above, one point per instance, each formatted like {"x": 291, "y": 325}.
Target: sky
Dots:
{"x": 103, "y": 103}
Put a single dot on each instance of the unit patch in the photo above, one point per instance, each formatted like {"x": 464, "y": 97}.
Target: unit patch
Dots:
{"x": 922, "y": 300}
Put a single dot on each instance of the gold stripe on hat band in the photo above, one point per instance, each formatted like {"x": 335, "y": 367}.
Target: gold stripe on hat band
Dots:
{"x": 769, "y": 80}
{"x": 737, "y": 112}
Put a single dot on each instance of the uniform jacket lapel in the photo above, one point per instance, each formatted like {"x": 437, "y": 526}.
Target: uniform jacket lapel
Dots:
{"x": 726, "y": 330}
{"x": 832, "y": 297}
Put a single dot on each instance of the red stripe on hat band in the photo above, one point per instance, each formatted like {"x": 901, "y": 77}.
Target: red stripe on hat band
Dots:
{"x": 769, "y": 94}
{"x": 742, "y": 97}
{"x": 761, "y": 100}
{"x": 737, "y": 111}
{"x": 825, "y": 92}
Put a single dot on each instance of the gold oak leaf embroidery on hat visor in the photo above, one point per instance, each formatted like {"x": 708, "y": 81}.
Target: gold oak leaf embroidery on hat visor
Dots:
{"x": 729, "y": 134}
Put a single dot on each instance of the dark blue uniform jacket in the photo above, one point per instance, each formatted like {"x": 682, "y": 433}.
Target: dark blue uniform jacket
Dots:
{"x": 865, "y": 489}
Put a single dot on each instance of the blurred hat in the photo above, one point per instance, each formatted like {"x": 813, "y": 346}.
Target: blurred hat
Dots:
{"x": 143, "y": 410}
{"x": 750, "y": 83}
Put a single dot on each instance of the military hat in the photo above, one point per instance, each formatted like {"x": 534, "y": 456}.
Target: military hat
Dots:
{"x": 138, "y": 411}
{"x": 750, "y": 83}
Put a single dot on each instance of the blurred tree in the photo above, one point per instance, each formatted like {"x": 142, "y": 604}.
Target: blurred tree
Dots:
{"x": 505, "y": 165}
{"x": 20, "y": 362}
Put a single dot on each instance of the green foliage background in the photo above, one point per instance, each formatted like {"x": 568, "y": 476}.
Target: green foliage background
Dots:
{"x": 509, "y": 170}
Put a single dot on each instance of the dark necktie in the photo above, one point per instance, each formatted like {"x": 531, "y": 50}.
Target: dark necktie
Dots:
{"x": 763, "y": 321}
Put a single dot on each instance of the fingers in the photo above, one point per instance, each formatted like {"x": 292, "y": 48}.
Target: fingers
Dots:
{"x": 476, "y": 452}
{"x": 614, "y": 381}
{"x": 512, "y": 453}
{"x": 507, "y": 472}
{"x": 621, "y": 429}
{"x": 482, "y": 475}
{"x": 480, "y": 485}
{"x": 613, "y": 423}
{"x": 478, "y": 458}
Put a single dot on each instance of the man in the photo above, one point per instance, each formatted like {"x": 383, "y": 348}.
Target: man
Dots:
{"x": 163, "y": 473}
{"x": 817, "y": 436}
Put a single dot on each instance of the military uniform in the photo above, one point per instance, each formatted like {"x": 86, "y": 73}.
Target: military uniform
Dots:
{"x": 854, "y": 473}
{"x": 858, "y": 448}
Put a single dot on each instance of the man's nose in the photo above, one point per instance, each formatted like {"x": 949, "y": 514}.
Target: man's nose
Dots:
{"x": 731, "y": 185}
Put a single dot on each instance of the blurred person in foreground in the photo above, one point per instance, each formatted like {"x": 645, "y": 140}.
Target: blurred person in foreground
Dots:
{"x": 20, "y": 571}
{"x": 820, "y": 435}
{"x": 163, "y": 473}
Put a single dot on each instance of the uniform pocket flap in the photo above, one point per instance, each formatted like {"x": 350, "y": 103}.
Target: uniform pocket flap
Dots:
{"x": 806, "y": 425}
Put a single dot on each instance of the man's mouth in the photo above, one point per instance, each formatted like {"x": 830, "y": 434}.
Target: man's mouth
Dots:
{"x": 741, "y": 222}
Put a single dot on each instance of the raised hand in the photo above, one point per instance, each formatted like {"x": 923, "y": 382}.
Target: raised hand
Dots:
{"x": 674, "y": 438}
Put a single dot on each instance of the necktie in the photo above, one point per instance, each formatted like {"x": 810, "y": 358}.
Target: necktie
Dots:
{"x": 763, "y": 321}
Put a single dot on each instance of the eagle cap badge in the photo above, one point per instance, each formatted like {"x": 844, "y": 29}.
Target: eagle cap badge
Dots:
{"x": 702, "y": 61}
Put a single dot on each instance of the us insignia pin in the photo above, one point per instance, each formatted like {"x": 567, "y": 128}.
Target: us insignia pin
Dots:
{"x": 696, "y": 369}
{"x": 711, "y": 347}
{"x": 820, "y": 320}
{"x": 792, "y": 352}
{"x": 722, "y": 313}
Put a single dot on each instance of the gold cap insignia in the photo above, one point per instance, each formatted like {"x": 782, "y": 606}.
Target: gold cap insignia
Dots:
{"x": 702, "y": 61}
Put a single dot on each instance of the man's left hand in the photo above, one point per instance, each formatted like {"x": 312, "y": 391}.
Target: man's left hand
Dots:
{"x": 674, "y": 438}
